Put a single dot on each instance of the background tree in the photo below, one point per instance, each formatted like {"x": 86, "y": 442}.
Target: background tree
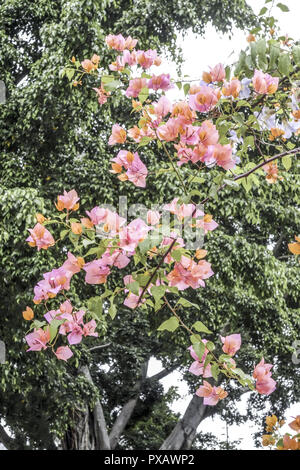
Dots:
{"x": 53, "y": 138}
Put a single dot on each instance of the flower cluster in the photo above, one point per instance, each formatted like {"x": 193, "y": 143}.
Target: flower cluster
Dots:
{"x": 195, "y": 132}
{"x": 285, "y": 442}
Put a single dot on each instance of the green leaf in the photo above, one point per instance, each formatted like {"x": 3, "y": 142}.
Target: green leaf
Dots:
{"x": 199, "y": 349}
{"x": 215, "y": 371}
{"x": 261, "y": 49}
{"x": 133, "y": 287}
{"x": 263, "y": 11}
{"x": 158, "y": 292}
{"x": 274, "y": 54}
{"x": 107, "y": 79}
{"x": 195, "y": 339}
{"x": 170, "y": 325}
{"x": 296, "y": 54}
{"x": 210, "y": 345}
{"x": 143, "y": 95}
{"x": 54, "y": 327}
{"x": 112, "y": 309}
{"x": 176, "y": 255}
{"x": 284, "y": 64}
{"x": 186, "y": 88}
{"x": 95, "y": 305}
{"x": 287, "y": 162}
{"x": 144, "y": 141}
{"x": 63, "y": 234}
{"x": 187, "y": 303}
{"x": 200, "y": 327}
{"x": 283, "y": 7}
{"x": 112, "y": 85}
{"x": 70, "y": 73}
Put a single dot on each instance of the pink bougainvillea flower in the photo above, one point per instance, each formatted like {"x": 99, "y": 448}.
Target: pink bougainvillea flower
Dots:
{"x": 115, "y": 42}
{"x": 58, "y": 279}
{"x": 102, "y": 94}
{"x": 189, "y": 136}
{"x": 49, "y": 316}
{"x": 97, "y": 215}
{"x": 153, "y": 217}
{"x": 216, "y": 74}
{"x": 208, "y": 134}
{"x": 264, "y": 83}
{"x": 146, "y": 58}
{"x": 182, "y": 110}
{"x": 40, "y": 237}
{"x": 222, "y": 154}
{"x": 69, "y": 200}
{"x": 130, "y": 43}
{"x": 161, "y": 82}
{"x": 133, "y": 234}
{"x": 136, "y": 170}
{"x": 262, "y": 370}
{"x": 89, "y": 328}
{"x": 135, "y": 87}
{"x": 75, "y": 336}
{"x": 63, "y": 353}
{"x": 162, "y": 107}
{"x": 73, "y": 326}
{"x": 206, "y": 223}
{"x": 90, "y": 65}
{"x": 96, "y": 272}
{"x": 118, "y": 135}
{"x": 129, "y": 57}
{"x": 181, "y": 210}
{"x": 212, "y": 395}
{"x": 232, "y": 88}
{"x": 53, "y": 282}
{"x": 118, "y": 65}
{"x": 197, "y": 367}
{"x": 73, "y": 265}
{"x": 187, "y": 273}
{"x": 117, "y": 258}
{"x": 169, "y": 131}
{"x": 38, "y": 339}
{"x": 120, "y": 43}
{"x": 266, "y": 387}
{"x": 206, "y": 98}
{"x": 132, "y": 300}
{"x": 231, "y": 344}
{"x": 262, "y": 374}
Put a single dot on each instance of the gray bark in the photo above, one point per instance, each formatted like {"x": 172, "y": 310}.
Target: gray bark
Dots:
{"x": 127, "y": 410}
{"x": 185, "y": 430}
{"x": 99, "y": 424}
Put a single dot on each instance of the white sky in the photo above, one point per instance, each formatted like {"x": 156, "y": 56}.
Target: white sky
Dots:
{"x": 200, "y": 52}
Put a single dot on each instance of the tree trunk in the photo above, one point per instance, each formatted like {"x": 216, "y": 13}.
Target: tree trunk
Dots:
{"x": 89, "y": 431}
{"x": 185, "y": 430}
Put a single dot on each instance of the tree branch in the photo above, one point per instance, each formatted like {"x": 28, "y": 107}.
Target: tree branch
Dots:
{"x": 244, "y": 175}
{"x": 163, "y": 373}
{"x": 102, "y": 439}
{"x": 6, "y": 440}
{"x": 127, "y": 410}
{"x": 185, "y": 430}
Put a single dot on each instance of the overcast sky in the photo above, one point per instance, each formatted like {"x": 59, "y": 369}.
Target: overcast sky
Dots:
{"x": 200, "y": 53}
